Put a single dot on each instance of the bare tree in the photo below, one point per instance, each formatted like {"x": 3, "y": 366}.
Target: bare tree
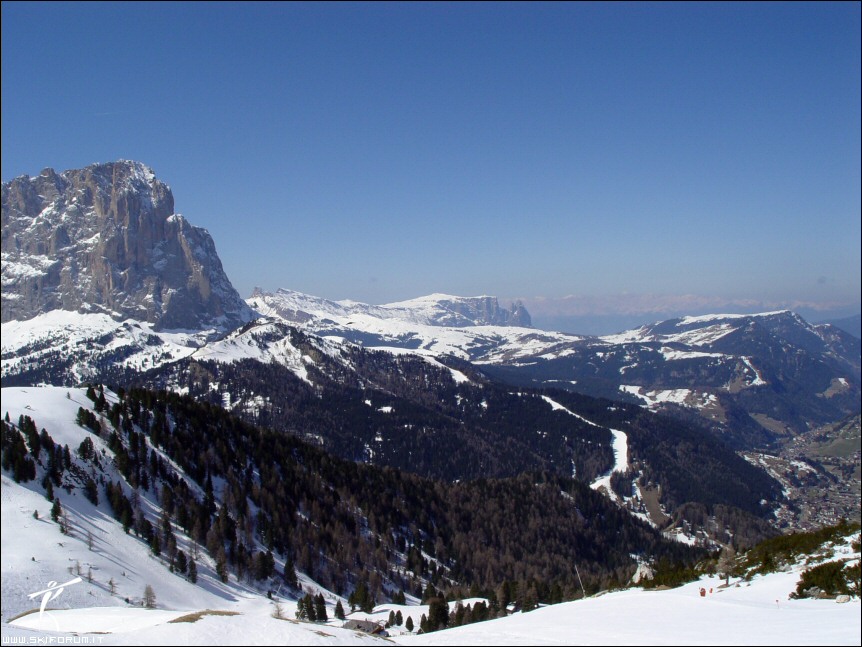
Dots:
{"x": 149, "y": 597}
{"x": 65, "y": 523}
{"x": 727, "y": 563}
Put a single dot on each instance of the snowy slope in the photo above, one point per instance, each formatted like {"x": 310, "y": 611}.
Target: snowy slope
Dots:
{"x": 755, "y": 613}
{"x": 78, "y": 343}
{"x": 35, "y": 553}
{"x": 438, "y": 323}
{"x": 97, "y": 555}
{"x": 759, "y": 614}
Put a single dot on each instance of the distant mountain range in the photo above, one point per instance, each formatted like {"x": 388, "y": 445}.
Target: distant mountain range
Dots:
{"x": 853, "y": 325}
{"x": 103, "y": 282}
{"x": 753, "y": 377}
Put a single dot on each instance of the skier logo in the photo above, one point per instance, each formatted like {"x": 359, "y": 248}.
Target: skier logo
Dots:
{"x": 51, "y": 593}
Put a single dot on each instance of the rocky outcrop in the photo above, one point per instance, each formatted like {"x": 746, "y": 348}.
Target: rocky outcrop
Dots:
{"x": 106, "y": 238}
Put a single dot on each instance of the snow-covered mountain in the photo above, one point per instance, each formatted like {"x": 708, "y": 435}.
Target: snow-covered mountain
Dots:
{"x": 767, "y": 375}
{"x": 105, "y": 569}
{"x": 106, "y": 239}
{"x": 432, "y": 310}
{"x": 103, "y": 282}
{"x": 100, "y": 276}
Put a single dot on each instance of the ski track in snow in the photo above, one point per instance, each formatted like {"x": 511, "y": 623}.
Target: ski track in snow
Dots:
{"x": 619, "y": 444}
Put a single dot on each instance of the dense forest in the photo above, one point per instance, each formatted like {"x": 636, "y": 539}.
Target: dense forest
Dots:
{"x": 447, "y": 419}
{"x": 264, "y": 504}
{"x": 408, "y": 413}
{"x": 400, "y": 411}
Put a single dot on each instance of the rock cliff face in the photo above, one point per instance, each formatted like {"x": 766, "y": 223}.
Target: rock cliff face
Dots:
{"x": 106, "y": 238}
{"x": 481, "y": 311}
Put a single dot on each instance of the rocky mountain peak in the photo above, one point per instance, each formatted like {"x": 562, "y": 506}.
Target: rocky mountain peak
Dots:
{"x": 106, "y": 238}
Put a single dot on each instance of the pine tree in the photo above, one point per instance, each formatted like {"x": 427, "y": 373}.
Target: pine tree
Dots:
{"x": 320, "y": 608}
{"x": 339, "y": 610}
{"x": 193, "y": 572}
{"x": 182, "y": 562}
{"x": 91, "y": 491}
{"x": 409, "y": 624}
{"x": 221, "y": 565}
{"x": 361, "y": 598}
{"x": 438, "y": 614}
{"x": 310, "y": 607}
{"x": 301, "y": 611}
{"x": 290, "y": 574}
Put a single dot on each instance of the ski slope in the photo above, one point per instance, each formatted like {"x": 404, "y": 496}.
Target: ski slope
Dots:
{"x": 35, "y": 554}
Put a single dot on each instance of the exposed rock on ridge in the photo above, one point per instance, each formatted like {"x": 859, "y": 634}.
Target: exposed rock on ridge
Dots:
{"x": 106, "y": 238}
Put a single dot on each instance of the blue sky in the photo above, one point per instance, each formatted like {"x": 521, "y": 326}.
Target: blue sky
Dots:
{"x": 693, "y": 157}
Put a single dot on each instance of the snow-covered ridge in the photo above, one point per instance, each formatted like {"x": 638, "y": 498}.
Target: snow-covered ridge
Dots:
{"x": 80, "y": 341}
{"x": 687, "y": 320}
{"x": 430, "y": 310}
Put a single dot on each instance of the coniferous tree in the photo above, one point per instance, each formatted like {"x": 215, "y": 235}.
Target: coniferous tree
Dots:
{"x": 320, "y": 608}
{"x": 91, "y": 491}
{"x": 361, "y": 598}
{"x": 290, "y": 574}
{"x": 301, "y": 610}
{"x": 339, "y": 610}
{"x": 310, "y": 608}
{"x": 221, "y": 565}
{"x": 182, "y": 562}
{"x": 438, "y": 614}
{"x": 56, "y": 510}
